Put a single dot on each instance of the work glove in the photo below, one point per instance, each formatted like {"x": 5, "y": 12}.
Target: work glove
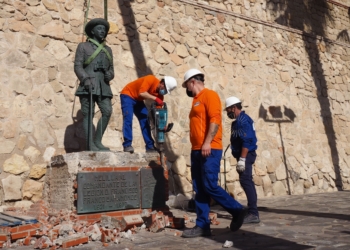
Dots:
{"x": 159, "y": 102}
{"x": 87, "y": 84}
{"x": 241, "y": 165}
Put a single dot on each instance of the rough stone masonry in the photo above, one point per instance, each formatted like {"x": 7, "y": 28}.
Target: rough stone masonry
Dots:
{"x": 288, "y": 61}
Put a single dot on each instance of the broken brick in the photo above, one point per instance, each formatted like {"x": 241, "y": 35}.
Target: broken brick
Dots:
{"x": 131, "y": 220}
{"x": 157, "y": 225}
{"x": 27, "y": 241}
{"x": 74, "y": 241}
{"x": 23, "y": 228}
{"x": 4, "y": 237}
{"x": 21, "y": 235}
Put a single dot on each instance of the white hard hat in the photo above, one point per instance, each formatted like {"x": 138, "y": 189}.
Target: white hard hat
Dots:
{"x": 231, "y": 101}
{"x": 170, "y": 83}
{"x": 189, "y": 74}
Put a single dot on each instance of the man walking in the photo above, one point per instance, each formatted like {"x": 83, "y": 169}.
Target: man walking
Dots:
{"x": 132, "y": 99}
{"x": 206, "y": 140}
{"x": 93, "y": 66}
{"x": 243, "y": 146}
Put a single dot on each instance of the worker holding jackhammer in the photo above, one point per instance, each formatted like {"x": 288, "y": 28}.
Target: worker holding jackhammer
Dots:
{"x": 93, "y": 66}
{"x": 206, "y": 139}
{"x": 243, "y": 145}
{"x": 132, "y": 99}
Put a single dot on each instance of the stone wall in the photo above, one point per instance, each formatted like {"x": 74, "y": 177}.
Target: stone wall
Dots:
{"x": 325, "y": 17}
{"x": 291, "y": 72}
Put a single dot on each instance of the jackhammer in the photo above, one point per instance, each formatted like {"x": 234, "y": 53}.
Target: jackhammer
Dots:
{"x": 159, "y": 115}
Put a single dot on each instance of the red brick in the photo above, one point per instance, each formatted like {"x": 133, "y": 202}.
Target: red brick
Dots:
{"x": 157, "y": 225}
{"x": 22, "y": 228}
{"x": 81, "y": 217}
{"x": 131, "y": 221}
{"x": 93, "y": 216}
{"x": 89, "y": 169}
{"x": 5, "y": 229}
{"x": 104, "y": 169}
{"x": 4, "y": 237}
{"x": 121, "y": 169}
{"x": 20, "y": 235}
{"x": 132, "y": 211}
{"x": 27, "y": 241}
{"x": 104, "y": 237}
{"x": 115, "y": 214}
{"x": 75, "y": 241}
{"x": 2, "y": 243}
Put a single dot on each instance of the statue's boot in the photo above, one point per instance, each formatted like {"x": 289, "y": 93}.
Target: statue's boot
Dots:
{"x": 101, "y": 127}
{"x": 86, "y": 130}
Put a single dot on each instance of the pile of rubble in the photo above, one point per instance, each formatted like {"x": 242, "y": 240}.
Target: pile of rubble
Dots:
{"x": 63, "y": 229}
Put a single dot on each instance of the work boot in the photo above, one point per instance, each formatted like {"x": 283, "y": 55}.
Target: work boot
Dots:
{"x": 251, "y": 218}
{"x": 100, "y": 129}
{"x": 196, "y": 231}
{"x": 151, "y": 150}
{"x": 129, "y": 149}
{"x": 237, "y": 220}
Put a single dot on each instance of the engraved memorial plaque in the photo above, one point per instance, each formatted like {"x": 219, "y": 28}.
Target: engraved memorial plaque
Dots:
{"x": 107, "y": 191}
{"x": 153, "y": 187}
{"x": 61, "y": 188}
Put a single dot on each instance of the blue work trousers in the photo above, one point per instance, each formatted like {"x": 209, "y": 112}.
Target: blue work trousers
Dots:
{"x": 246, "y": 180}
{"x": 205, "y": 171}
{"x": 130, "y": 107}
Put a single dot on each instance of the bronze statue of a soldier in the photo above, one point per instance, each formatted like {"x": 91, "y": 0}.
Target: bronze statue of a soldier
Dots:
{"x": 93, "y": 66}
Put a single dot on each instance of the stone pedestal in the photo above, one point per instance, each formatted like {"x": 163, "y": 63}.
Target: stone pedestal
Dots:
{"x": 89, "y": 182}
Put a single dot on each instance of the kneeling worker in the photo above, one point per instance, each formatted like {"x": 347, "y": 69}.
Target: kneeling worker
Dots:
{"x": 132, "y": 99}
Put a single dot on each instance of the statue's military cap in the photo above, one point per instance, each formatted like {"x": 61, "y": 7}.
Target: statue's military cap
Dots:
{"x": 93, "y": 22}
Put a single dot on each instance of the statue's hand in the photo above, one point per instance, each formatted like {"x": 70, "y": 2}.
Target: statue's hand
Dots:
{"x": 108, "y": 76}
{"x": 88, "y": 83}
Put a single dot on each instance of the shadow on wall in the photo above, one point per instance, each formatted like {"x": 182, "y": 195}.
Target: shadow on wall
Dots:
{"x": 298, "y": 14}
{"x": 134, "y": 38}
{"x": 344, "y": 34}
{"x": 141, "y": 66}
{"x": 274, "y": 114}
{"x": 74, "y": 135}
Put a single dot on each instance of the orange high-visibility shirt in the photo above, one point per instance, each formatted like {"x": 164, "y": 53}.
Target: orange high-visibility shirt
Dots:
{"x": 206, "y": 109}
{"x": 147, "y": 83}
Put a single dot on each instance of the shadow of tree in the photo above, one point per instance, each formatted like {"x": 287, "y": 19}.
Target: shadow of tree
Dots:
{"x": 301, "y": 14}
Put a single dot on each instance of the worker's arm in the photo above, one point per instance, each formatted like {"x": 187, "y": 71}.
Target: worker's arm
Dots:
{"x": 244, "y": 152}
{"x": 206, "y": 148}
{"x": 147, "y": 96}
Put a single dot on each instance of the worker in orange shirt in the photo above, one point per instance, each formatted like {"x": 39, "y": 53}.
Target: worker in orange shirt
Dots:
{"x": 206, "y": 139}
{"x": 132, "y": 99}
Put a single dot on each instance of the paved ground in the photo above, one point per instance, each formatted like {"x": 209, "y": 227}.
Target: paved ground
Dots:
{"x": 316, "y": 221}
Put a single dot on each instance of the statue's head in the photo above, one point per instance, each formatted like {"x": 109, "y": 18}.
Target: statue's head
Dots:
{"x": 92, "y": 28}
